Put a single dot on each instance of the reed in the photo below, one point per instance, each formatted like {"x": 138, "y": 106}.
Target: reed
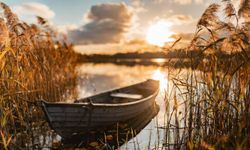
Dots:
{"x": 34, "y": 64}
{"x": 216, "y": 106}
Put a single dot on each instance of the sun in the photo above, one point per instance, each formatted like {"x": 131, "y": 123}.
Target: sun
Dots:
{"x": 159, "y": 33}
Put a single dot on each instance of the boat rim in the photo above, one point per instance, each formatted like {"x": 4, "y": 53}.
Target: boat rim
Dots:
{"x": 105, "y": 104}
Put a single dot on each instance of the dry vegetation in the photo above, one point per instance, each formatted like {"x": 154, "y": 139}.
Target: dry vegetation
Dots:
{"x": 35, "y": 63}
{"x": 215, "y": 114}
{"x": 216, "y": 100}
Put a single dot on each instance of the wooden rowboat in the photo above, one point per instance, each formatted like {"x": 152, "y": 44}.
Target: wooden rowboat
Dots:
{"x": 118, "y": 134}
{"x": 101, "y": 110}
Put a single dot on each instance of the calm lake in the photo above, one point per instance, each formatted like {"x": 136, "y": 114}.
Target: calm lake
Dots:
{"x": 96, "y": 78}
{"x": 162, "y": 126}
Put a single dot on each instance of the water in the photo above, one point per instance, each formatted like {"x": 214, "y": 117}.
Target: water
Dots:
{"x": 96, "y": 78}
{"x": 172, "y": 100}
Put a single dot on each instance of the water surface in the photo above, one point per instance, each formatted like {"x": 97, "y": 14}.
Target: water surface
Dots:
{"x": 96, "y": 78}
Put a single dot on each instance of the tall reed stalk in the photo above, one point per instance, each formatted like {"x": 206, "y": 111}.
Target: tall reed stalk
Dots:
{"x": 34, "y": 64}
{"x": 216, "y": 90}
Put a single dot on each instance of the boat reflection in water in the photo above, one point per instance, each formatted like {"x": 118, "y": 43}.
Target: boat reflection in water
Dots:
{"x": 113, "y": 136}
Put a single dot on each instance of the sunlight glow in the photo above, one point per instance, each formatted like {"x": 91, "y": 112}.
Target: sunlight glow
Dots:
{"x": 159, "y": 61}
{"x": 159, "y": 33}
{"x": 159, "y": 75}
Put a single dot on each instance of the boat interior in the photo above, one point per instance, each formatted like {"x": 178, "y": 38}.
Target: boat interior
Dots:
{"x": 124, "y": 95}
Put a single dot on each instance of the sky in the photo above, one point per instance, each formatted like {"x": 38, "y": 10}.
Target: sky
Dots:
{"x": 105, "y": 25}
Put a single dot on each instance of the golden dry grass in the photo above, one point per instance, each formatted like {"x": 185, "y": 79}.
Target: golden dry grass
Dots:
{"x": 34, "y": 65}
{"x": 217, "y": 105}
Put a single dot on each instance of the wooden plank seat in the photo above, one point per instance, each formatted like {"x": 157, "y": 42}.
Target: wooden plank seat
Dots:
{"x": 126, "y": 95}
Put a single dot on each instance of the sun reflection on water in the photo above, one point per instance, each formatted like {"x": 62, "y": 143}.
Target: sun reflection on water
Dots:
{"x": 162, "y": 77}
{"x": 159, "y": 61}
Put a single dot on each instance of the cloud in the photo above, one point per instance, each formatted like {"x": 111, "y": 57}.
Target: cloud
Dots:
{"x": 34, "y": 9}
{"x": 106, "y": 23}
{"x": 158, "y": 1}
{"x": 138, "y": 6}
{"x": 184, "y": 36}
{"x": 185, "y": 2}
{"x": 65, "y": 28}
{"x": 180, "y": 19}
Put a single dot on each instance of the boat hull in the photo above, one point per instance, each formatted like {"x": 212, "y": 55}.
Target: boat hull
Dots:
{"x": 76, "y": 118}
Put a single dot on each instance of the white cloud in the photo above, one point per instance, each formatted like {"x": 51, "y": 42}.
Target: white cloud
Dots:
{"x": 180, "y": 19}
{"x": 199, "y": 1}
{"x": 64, "y": 29}
{"x": 107, "y": 23}
{"x": 185, "y": 2}
{"x": 158, "y": 1}
{"x": 182, "y": 2}
{"x": 28, "y": 10}
{"x": 138, "y": 6}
